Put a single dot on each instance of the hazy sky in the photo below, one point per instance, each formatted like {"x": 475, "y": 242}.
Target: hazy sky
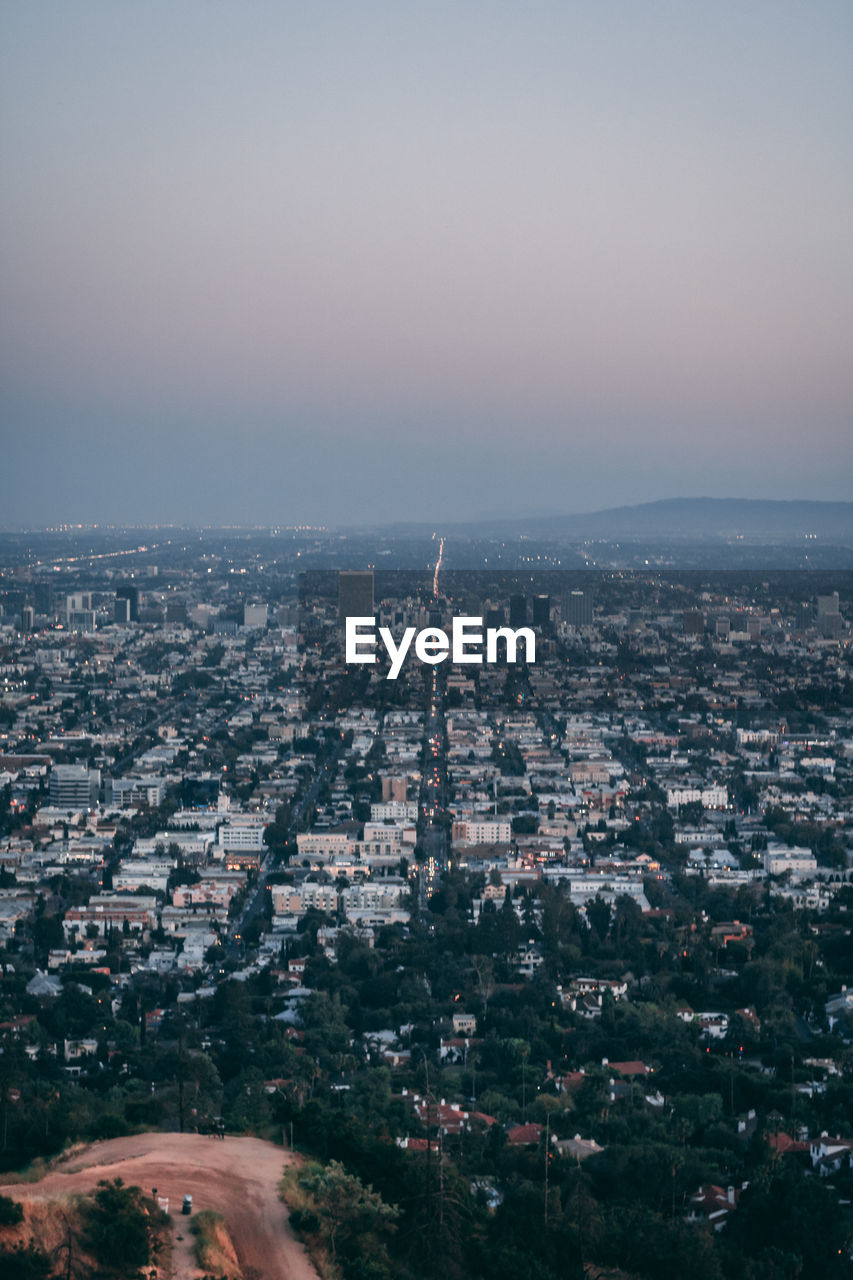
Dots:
{"x": 329, "y": 262}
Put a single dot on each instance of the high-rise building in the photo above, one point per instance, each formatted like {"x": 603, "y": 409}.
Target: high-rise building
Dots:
{"x": 131, "y": 594}
{"x": 176, "y": 611}
{"x": 693, "y": 622}
{"x": 830, "y": 623}
{"x": 355, "y": 594}
{"x": 78, "y": 602}
{"x": 254, "y": 615}
{"x": 43, "y": 597}
{"x": 81, "y": 619}
{"x": 73, "y": 787}
{"x": 577, "y": 608}
{"x": 541, "y": 611}
{"x": 518, "y": 611}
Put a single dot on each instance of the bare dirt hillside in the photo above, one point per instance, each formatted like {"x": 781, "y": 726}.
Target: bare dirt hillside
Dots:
{"x": 238, "y": 1177}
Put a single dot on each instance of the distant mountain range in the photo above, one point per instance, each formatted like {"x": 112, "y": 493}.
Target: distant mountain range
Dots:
{"x": 688, "y": 519}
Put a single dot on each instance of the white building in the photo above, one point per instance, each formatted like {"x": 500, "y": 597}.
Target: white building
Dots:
{"x": 74, "y": 787}
{"x": 138, "y": 791}
{"x": 375, "y": 895}
{"x": 290, "y": 901}
{"x": 797, "y": 862}
{"x": 583, "y": 888}
{"x": 243, "y": 832}
{"x": 384, "y": 837}
{"x": 323, "y": 845}
{"x": 143, "y": 874}
{"x": 394, "y": 811}
{"x": 713, "y": 797}
{"x": 473, "y": 832}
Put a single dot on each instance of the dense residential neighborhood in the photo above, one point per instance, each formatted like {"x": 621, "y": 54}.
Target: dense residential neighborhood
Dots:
{"x": 553, "y": 955}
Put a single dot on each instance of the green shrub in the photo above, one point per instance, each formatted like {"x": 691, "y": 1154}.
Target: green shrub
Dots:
{"x": 11, "y": 1212}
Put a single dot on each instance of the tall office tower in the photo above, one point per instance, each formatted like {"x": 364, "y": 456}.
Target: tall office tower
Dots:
{"x": 81, "y": 620}
{"x": 176, "y": 611}
{"x": 693, "y": 622}
{"x": 805, "y": 616}
{"x": 541, "y": 611}
{"x": 131, "y": 594}
{"x": 830, "y": 623}
{"x": 355, "y": 594}
{"x": 255, "y": 615}
{"x": 73, "y": 787}
{"x": 518, "y": 611}
{"x": 121, "y": 610}
{"x": 78, "y": 602}
{"x": 42, "y": 597}
{"x": 577, "y": 608}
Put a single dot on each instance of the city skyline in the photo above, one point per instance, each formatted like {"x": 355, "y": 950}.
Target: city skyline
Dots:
{"x": 263, "y": 265}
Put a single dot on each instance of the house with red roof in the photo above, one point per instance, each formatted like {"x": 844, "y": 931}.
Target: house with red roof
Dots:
{"x": 450, "y": 1118}
{"x": 633, "y": 1068}
{"x": 525, "y": 1135}
{"x": 712, "y": 1205}
{"x": 784, "y": 1145}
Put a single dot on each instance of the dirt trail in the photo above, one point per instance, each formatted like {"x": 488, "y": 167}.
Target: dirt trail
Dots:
{"x": 238, "y": 1177}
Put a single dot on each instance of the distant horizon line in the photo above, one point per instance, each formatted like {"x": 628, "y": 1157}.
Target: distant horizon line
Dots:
{"x": 79, "y": 526}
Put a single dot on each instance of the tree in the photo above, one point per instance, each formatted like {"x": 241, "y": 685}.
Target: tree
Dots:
{"x": 27, "y": 1263}
{"x": 118, "y": 1226}
{"x": 598, "y": 914}
{"x": 11, "y": 1212}
{"x": 784, "y": 1215}
{"x": 508, "y": 931}
{"x": 627, "y": 921}
{"x": 344, "y": 1207}
{"x": 693, "y": 813}
{"x": 484, "y": 968}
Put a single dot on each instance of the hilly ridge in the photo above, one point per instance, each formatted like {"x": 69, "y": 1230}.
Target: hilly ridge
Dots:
{"x": 687, "y": 519}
